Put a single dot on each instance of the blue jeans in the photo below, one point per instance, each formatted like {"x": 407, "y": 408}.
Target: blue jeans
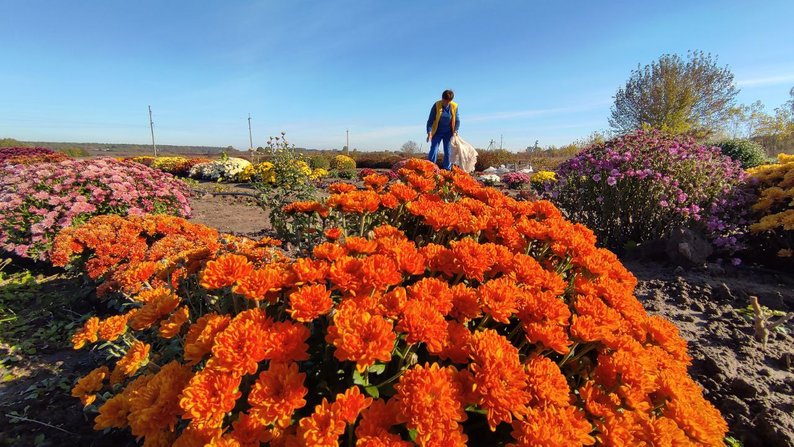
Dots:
{"x": 433, "y": 155}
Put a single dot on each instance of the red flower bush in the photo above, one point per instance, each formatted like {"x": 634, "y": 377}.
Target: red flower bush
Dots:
{"x": 472, "y": 318}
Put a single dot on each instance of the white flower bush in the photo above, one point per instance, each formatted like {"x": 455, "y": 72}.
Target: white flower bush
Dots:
{"x": 228, "y": 169}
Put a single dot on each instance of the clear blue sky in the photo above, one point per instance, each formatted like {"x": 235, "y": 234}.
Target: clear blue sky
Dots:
{"x": 527, "y": 70}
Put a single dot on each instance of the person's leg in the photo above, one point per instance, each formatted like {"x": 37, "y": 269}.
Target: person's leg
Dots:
{"x": 448, "y": 152}
{"x": 434, "y": 142}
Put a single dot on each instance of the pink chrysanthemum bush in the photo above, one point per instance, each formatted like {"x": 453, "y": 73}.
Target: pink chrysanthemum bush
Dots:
{"x": 37, "y": 200}
{"x": 470, "y": 319}
{"x": 638, "y": 187}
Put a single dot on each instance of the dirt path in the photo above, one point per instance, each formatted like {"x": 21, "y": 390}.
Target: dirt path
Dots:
{"x": 753, "y": 387}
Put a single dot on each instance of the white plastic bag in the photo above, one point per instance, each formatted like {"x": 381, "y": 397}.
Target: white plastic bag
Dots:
{"x": 463, "y": 154}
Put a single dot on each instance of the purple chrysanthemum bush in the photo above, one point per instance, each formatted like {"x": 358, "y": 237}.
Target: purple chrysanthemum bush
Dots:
{"x": 638, "y": 187}
{"x": 38, "y": 200}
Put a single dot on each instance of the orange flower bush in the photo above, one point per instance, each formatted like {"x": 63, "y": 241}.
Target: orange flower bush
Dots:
{"x": 448, "y": 314}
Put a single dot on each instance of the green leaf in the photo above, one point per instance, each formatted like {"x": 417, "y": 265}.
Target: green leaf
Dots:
{"x": 358, "y": 379}
{"x": 377, "y": 369}
{"x": 412, "y": 434}
{"x": 372, "y": 390}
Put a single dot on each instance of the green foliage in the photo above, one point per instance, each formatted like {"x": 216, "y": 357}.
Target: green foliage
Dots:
{"x": 320, "y": 162}
{"x": 675, "y": 96}
{"x": 74, "y": 152}
{"x": 291, "y": 183}
{"x": 346, "y": 174}
{"x": 746, "y": 152}
{"x": 10, "y": 142}
{"x": 496, "y": 157}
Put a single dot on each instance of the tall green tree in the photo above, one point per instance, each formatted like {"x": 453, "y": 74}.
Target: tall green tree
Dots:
{"x": 675, "y": 95}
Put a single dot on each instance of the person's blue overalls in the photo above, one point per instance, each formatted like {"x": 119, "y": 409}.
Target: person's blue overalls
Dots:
{"x": 443, "y": 118}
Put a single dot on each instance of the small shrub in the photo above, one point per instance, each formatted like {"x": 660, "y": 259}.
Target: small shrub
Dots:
{"x": 343, "y": 162}
{"x": 173, "y": 165}
{"x": 377, "y": 160}
{"x": 320, "y": 162}
{"x": 146, "y": 160}
{"x": 227, "y": 169}
{"x": 773, "y": 211}
{"x": 515, "y": 180}
{"x": 346, "y": 174}
{"x": 489, "y": 179}
{"x": 746, "y": 152}
{"x": 36, "y": 201}
{"x": 638, "y": 187}
{"x": 289, "y": 179}
{"x": 495, "y": 158}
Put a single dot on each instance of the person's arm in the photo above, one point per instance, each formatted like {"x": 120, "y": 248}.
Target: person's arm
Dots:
{"x": 457, "y": 120}
{"x": 430, "y": 121}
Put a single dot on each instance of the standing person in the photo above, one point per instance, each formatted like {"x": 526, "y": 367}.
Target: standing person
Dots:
{"x": 442, "y": 124}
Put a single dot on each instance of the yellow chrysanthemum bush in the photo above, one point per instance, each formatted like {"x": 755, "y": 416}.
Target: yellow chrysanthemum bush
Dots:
{"x": 469, "y": 318}
{"x": 774, "y": 209}
{"x": 343, "y": 162}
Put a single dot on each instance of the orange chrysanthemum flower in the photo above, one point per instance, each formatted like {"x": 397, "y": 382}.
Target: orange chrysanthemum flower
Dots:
{"x": 112, "y": 328}
{"x": 430, "y": 400}
{"x": 277, "y": 393}
{"x": 310, "y": 271}
{"x": 332, "y": 234}
{"x": 341, "y": 187}
{"x": 286, "y": 342}
{"x": 171, "y": 327}
{"x": 162, "y": 303}
{"x": 359, "y": 245}
{"x": 225, "y": 271}
{"x": 376, "y": 181}
{"x": 240, "y": 347}
{"x": 465, "y": 305}
{"x": 500, "y": 380}
{"x": 154, "y": 407}
{"x": 328, "y": 251}
{"x": 209, "y": 396}
{"x": 201, "y": 336}
{"x": 422, "y": 323}
{"x": 552, "y": 426}
{"x": 433, "y": 293}
{"x": 250, "y": 432}
{"x": 546, "y": 383}
{"x": 257, "y": 283}
{"x": 379, "y": 272}
{"x": 87, "y": 334}
{"x": 472, "y": 258}
{"x": 378, "y": 419}
{"x": 86, "y": 388}
{"x": 132, "y": 361}
{"x": 113, "y": 413}
{"x": 500, "y": 298}
{"x": 322, "y": 429}
{"x": 309, "y": 302}
{"x": 350, "y": 404}
{"x": 361, "y": 337}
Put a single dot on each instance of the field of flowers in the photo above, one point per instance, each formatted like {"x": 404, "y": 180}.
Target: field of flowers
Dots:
{"x": 471, "y": 315}
{"x": 410, "y": 307}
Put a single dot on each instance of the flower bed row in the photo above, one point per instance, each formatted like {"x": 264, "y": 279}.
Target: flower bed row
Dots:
{"x": 39, "y": 199}
{"x": 452, "y": 314}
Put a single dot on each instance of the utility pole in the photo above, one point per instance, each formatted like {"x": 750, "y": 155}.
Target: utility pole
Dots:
{"x": 500, "y": 142}
{"x": 347, "y": 141}
{"x": 151, "y": 127}
{"x": 250, "y": 137}
{"x": 250, "y": 140}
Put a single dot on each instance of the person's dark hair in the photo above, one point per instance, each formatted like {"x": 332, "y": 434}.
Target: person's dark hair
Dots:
{"x": 448, "y": 94}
